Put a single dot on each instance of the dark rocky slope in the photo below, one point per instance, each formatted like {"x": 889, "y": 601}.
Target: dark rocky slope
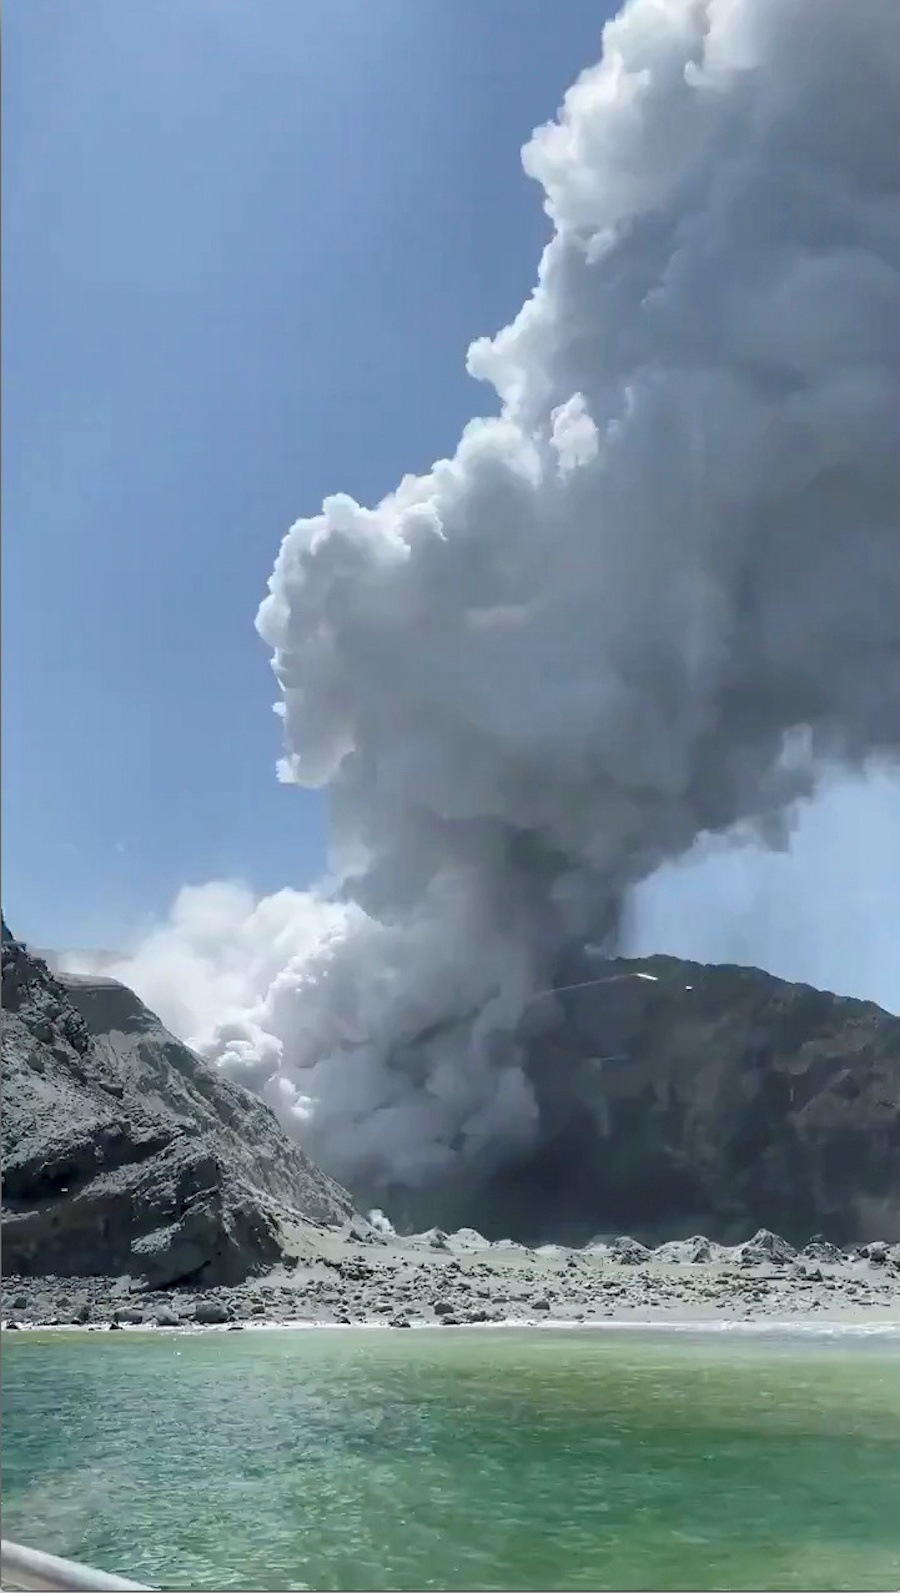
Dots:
{"x": 123, "y": 1152}
{"x": 678, "y": 1098}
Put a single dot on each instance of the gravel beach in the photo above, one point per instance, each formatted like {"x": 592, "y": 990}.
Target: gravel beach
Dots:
{"x": 358, "y": 1275}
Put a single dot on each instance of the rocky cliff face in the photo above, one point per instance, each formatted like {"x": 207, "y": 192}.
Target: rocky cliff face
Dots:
{"x": 124, "y": 1152}
{"x": 677, "y": 1098}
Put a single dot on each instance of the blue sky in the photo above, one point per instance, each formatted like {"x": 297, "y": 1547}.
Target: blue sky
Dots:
{"x": 245, "y": 248}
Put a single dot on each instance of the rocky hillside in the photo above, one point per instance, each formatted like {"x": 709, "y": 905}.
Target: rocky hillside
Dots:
{"x": 124, "y": 1153}
{"x": 677, "y": 1098}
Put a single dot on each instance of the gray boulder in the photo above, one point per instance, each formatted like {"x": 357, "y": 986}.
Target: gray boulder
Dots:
{"x": 129, "y": 1316}
{"x": 767, "y": 1249}
{"x": 876, "y": 1252}
{"x": 820, "y": 1249}
{"x": 211, "y": 1313}
{"x": 689, "y": 1252}
{"x": 628, "y": 1252}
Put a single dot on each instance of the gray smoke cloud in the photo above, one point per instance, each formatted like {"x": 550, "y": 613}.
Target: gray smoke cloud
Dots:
{"x": 648, "y": 602}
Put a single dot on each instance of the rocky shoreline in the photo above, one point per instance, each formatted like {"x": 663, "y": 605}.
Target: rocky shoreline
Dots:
{"x": 361, "y": 1276}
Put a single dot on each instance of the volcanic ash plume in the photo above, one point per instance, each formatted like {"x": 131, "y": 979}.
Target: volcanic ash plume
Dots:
{"x": 647, "y": 601}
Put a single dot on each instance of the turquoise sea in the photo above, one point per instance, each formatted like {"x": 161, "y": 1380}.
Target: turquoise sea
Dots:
{"x": 458, "y": 1460}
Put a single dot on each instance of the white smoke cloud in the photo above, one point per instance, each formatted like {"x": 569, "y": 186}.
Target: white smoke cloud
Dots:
{"x": 643, "y": 605}
{"x": 380, "y": 1222}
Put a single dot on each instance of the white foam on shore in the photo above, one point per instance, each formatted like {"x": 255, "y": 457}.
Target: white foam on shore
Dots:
{"x": 737, "y": 1327}
{"x": 748, "y": 1327}
{"x": 777, "y": 1327}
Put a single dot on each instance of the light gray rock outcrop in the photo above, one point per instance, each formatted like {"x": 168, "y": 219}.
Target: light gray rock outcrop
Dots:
{"x": 124, "y": 1152}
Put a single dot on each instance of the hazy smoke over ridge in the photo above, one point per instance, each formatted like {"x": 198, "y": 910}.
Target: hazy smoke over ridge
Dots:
{"x": 648, "y": 601}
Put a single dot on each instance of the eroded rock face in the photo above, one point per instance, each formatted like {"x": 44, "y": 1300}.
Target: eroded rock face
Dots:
{"x": 123, "y": 1152}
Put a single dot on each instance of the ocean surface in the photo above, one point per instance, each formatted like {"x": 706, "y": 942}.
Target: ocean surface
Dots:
{"x": 480, "y": 1460}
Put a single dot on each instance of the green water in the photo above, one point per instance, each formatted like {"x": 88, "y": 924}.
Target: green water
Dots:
{"x": 480, "y": 1460}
